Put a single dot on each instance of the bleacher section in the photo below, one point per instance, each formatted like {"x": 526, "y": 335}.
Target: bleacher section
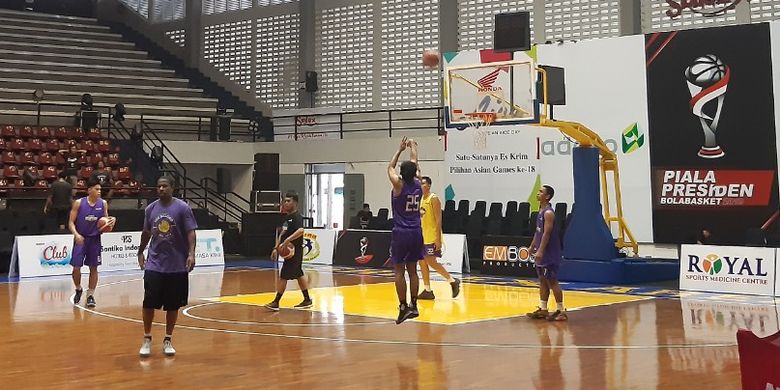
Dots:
{"x": 41, "y": 151}
{"x": 69, "y": 56}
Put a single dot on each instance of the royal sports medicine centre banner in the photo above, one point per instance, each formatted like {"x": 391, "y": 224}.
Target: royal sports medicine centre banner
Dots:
{"x": 728, "y": 269}
{"x": 515, "y": 160}
{"x": 712, "y": 120}
{"x": 47, "y": 255}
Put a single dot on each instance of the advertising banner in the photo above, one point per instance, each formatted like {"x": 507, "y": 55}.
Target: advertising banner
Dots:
{"x": 47, "y": 255}
{"x": 364, "y": 248}
{"x": 729, "y": 269}
{"x": 507, "y": 255}
{"x": 318, "y": 245}
{"x": 712, "y": 126}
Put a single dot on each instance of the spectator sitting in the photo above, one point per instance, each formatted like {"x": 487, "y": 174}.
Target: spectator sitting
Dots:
{"x": 29, "y": 178}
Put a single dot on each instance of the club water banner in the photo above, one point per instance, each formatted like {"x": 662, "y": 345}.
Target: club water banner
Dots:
{"x": 51, "y": 254}
{"x": 712, "y": 122}
{"x": 512, "y": 162}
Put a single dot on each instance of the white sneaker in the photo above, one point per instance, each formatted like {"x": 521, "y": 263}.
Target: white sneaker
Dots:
{"x": 146, "y": 348}
{"x": 168, "y": 348}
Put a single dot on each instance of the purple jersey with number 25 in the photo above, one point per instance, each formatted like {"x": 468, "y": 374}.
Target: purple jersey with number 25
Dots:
{"x": 406, "y": 206}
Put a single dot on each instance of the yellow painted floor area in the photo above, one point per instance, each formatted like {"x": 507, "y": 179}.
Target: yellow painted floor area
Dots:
{"x": 476, "y": 302}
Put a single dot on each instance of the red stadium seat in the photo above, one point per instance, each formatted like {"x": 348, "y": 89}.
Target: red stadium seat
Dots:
{"x": 3, "y": 185}
{"x": 95, "y": 159}
{"x": 86, "y": 172}
{"x": 77, "y": 133}
{"x": 53, "y": 145}
{"x": 8, "y": 132}
{"x": 34, "y": 171}
{"x": 28, "y": 158}
{"x": 26, "y": 132}
{"x": 50, "y": 173}
{"x": 45, "y": 158}
{"x": 104, "y": 146}
{"x": 113, "y": 159}
{"x": 19, "y": 183}
{"x": 41, "y": 184}
{"x": 88, "y": 145}
{"x": 124, "y": 174}
{"x": 61, "y": 133}
{"x": 9, "y": 158}
{"x": 10, "y": 172}
{"x": 95, "y": 134}
{"x": 34, "y": 145}
{"x": 43, "y": 133}
{"x": 16, "y": 144}
{"x": 3, "y": 144}
{"x": 60, "y": 160}
{"x": 134, "y": 186}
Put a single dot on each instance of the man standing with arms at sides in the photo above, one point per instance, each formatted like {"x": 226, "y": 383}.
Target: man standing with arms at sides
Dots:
{"x": 546, "y": 248}
{"x": 406, "y": 246}
{"x": 430, "y": 211}
{"x": 169, "y": 225}
{"x": 291, "y": 233}
{"x": 60, "y": 200}
{"x": 84, "y": 216}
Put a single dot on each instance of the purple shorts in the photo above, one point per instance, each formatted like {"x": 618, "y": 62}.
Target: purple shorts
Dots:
{"x": 87, "y": 254}
{"x": 431, "y": 251}
{"x": 549, "y": 271}
{"x": 406, "y": 246}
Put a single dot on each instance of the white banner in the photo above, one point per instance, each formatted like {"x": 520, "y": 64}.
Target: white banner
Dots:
{"x": 709, "y": 319}
{"x": 454, "y": 253}
{"x": 50, "y": 254}
{"x": 511, "y": 162}
{"x": 730, "y": 269}
{"x": 318, "y": 245}
{"x": 311, "y": 124}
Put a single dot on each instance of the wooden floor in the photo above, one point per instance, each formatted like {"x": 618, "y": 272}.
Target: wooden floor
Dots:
{"x": 226, "y": 340}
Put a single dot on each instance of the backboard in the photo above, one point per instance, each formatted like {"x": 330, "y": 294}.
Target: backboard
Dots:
{"x": 507, "y": 88}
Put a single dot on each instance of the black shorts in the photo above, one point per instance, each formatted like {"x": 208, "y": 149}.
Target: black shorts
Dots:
{"x": 292, "y": 269}
{"x": 62, "y": 216}
{"x": 167, "y": 291}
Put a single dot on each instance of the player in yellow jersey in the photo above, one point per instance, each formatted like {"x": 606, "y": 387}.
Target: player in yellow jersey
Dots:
{"x": 430, "y": 213}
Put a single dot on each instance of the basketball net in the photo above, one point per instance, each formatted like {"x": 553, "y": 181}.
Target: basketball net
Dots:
{"x": 478, "y": 122}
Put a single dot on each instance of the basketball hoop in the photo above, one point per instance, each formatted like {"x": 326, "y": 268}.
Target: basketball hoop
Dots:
{"x": 478, "y": 122}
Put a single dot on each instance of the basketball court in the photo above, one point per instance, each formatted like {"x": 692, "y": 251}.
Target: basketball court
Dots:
{"x": 617, "y": 337}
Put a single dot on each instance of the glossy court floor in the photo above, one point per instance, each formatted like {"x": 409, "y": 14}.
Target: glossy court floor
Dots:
{"x": 616, "y": 338}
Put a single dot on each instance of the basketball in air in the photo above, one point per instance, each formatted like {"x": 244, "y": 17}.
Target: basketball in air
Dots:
{"x": 286, "y": 251}
{"x": 106, "y": 224}
{"x": 705, "y": 71}
{"x": 431, "y": 58}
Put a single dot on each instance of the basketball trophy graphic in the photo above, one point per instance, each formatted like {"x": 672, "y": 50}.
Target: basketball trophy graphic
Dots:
{"x": 708, "y": 78}
{"x": 363, "y": 258}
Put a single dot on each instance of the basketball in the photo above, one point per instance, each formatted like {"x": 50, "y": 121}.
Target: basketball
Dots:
{"x": 104, "y": 224}
{"x": 431, "y": 58}
{"x": 286, "y": 251}
{"x": 705, "y": 71}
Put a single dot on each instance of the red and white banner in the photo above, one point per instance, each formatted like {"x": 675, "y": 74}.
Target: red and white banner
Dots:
{"x": 712, "y": 188}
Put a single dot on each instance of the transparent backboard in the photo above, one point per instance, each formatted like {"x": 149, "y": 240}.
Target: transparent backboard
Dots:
{"x": 506, "y": 88}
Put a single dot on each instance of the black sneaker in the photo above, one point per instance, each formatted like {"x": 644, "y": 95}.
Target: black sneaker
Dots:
{"x": 538, "y": 314}
{"x": 426, "y": 294}
{"x": 307, "y": 303}
{"x": 91, "y": 301}
{"x": 77, "y": 297}
{"x": 455, "y": 288}
{"x": 414, "y": 313}
{"x": 272, "y": 306}
{"x": 403, "y": 313}
{"x": 558, "y": 316}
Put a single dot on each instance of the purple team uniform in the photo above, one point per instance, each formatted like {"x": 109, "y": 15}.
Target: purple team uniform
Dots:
{"x": 86, "y": 224}
{"x": 407, "y": 239}
{"x": 166, "y": 279}
{"x": 547, "y": 267}
{"x": 169, "y": 247}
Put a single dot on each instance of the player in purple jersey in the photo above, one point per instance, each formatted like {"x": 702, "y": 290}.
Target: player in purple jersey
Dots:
{"x": 169, "y": 229}
{"x": 406, "y": 247}
{"x": 546, "y": 249}
{"x": 84, "y": 216}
